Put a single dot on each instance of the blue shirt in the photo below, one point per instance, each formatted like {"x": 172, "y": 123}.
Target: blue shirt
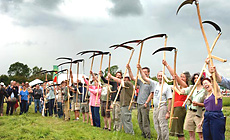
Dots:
{"x": 225, "y": 82}
{"x": 24, "y": 95}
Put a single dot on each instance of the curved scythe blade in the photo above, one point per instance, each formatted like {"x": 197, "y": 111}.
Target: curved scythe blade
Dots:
{"x": 64, "y": 58}
{"x": 78, "y": 60}
{"x": 123, "y": 46}
{"x": 64, "y": 63}
{"x": 84, "y": 52}
{"x": 132, "y": 41}
{"x": 104, "y": 53}
{"x": 51, "y": 71}
{"x": 154, "y": 36}
{"x": 62, "y": 70}
{"x": 217, "y": 27}
{"x": 184, "y": 3}
{"x": 164, "y": 49}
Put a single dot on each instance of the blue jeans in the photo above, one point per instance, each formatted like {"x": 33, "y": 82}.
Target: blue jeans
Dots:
{"x": 60, "y": 111}
{"x": 37, "y": 102}
{"x": 214, "y": 125}
{"x": 51, "y": 106}
{"x": 23, "y": 106}
{"x": 95, "y": 116}
{"x": 30, "y": 100}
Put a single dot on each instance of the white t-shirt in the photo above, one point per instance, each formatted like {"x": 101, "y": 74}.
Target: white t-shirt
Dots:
{"x": 167, "y": 93}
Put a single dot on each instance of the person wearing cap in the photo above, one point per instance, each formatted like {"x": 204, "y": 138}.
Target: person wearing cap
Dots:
{"x": 37, "y": 96}
{"x": 23, "y": 99}
{"x": 12, "y": 96}
{"x": 160, "y": 114}
{"x": 125, "y": 99}
{"x": 142, "y": 111}
{"x": 2, "y": 96}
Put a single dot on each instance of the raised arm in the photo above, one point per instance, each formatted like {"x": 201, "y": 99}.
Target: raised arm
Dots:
{"x": 114, "y": 78}
{"x": 130, "y": 72}
{"x": 142, "y": 74}
{"x": 213, "y": 69}
{"x": 171, "y": 71}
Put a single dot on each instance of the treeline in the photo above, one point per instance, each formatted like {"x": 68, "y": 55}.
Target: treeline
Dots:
{"x": 20, "y": 72}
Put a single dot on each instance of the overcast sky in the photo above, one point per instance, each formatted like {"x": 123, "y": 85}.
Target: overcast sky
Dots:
{"x": 36, "y": 32}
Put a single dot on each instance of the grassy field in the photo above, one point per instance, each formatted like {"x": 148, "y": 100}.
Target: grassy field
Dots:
{"x": 34, "y": 126}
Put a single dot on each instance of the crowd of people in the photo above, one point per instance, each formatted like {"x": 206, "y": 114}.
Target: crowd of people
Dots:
{"x": 200, "y": 115}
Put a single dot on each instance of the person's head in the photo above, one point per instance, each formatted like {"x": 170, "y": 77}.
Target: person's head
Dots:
{"x": 118, "y": 74}
{"x": 146, "y": 71}
{"x": 185, "y": 76}
{"x": 159, "y": 76}
{"x": 127, "y": 78}
{"x": 24, "y": 87}
{"x": 23, "y": 84}
{"x": 96, "y": 76}
{"x": 37, "y": 86}
{"x": 195, "y": 77}
{"x": 27, "y": 84}
{"x": 207, "y": 84}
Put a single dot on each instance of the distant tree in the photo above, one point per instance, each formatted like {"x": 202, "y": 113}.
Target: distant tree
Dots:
{"x": 36, "y": 71}
{"x": 5, "y": 79}
{"x": 19, "y": 69}
{"x": 113, "y": 70}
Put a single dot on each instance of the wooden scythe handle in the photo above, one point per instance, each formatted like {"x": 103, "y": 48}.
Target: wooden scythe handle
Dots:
{"x": 204, "y": 66}
{"x": 119, "y": 89}
{"x": 139, "y": 59}
{"x": 108, "y": 92}
{"x": 99, "y": 79}
{"x": 163, "y": 73}
{"x": 68, "y": 90}
{"x": 77, "y": 83}
{"x": 89, "y": 78}
{"x": 173, "y": 97}
{"x": 208, "y": 49}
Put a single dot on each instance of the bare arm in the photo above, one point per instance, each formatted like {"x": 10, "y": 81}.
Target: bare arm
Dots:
{"x": 114, "y": 78}
{"x": 142, "y": 73}
{"x": 149, "y": 99}
{"x": 130, "y": 72}
{"x": 171, "y": 71}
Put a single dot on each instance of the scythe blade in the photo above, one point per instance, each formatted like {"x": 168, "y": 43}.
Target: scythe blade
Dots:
{"x": 103, "y": 53}
{"x": 164, "y": 49}
{"x": 92, "y": 51}
{"x": 64, "y": 58}
{"x": 132, "y": 41}
{"x": 184, "y": 3}
{"x": 154, "y": 36}
{"x": 217, "y": 27}
{"x": 123, "y": 46}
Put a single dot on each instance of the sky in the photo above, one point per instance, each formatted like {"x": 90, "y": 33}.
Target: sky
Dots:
{"x": 36, "y": 32}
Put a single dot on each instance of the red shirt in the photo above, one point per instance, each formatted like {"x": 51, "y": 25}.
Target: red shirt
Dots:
{"x": 179, "y": 100}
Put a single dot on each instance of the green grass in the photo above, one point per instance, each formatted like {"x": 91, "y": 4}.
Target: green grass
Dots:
{"x": 226, "y": 101}
{"x": 34, "y": 126}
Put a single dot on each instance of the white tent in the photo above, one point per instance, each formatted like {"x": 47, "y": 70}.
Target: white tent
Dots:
{"x": 36, "y": 81}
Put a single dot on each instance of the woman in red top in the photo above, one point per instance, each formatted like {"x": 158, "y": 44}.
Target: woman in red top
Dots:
{"x": 179, "y": 111}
